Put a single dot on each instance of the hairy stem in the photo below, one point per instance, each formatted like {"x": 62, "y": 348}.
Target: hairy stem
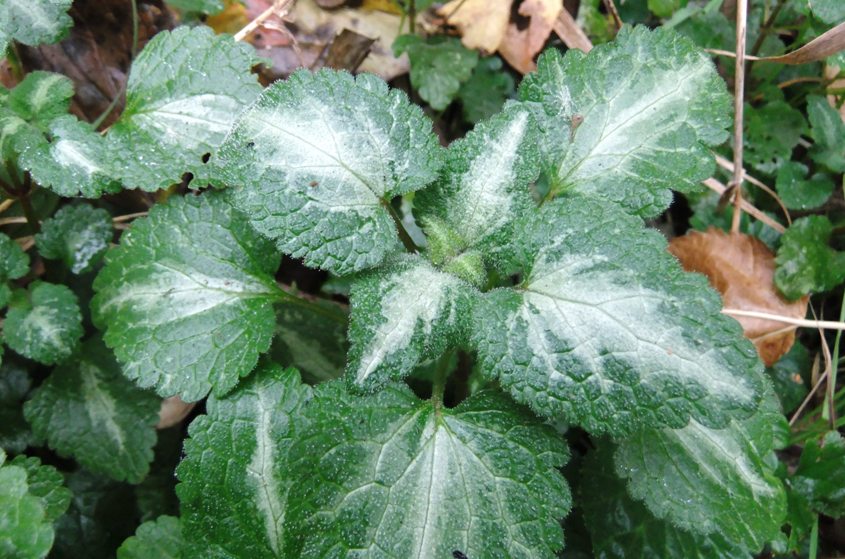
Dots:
{"x": 441, "y": 373}
{"x": 404, "y": 236}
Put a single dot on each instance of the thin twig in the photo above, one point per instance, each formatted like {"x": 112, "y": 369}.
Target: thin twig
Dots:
{"x": 128, "y": 217}
{"x": 807, "y": 398}
{"x": 6, "y": 204}
{"x": 610, "y": 6}
{"x": 726, "y": 164}
{"x": 739, "y": 104}
{"x": 279, "y": 8}
{"x": 800, "y": 322}
{"x": 751, "y": 210}
{"x": 766, "y": 27}
{"x": 12, "y": 220}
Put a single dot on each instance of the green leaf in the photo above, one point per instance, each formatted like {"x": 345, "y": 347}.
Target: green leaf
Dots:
{"x": 15, "y": 383}
{"x": 771, "y": 133}
{"x": 664, "y": 8}
{"x": 805, "y": 262}
{"x": 622, "y": 528}
{"x": 484, "y": 93}
{"x": 14, "y": 262}
{"x": 46, "y": 483}
{"x": 74, "y": 162}
{"x": 44, "y": 324}
{"x": 78, "y": 235}
{"x": 710, "y": 481}
{"x": 34, "y": 22}
{"x": 154, "y": 539}
{"x": 209, "y": 7}
{"x": 799, "y": 192}
{"x": 607, "y": 331}
{"x": 87, "y": 410}
{"x": 787, "y": 376}
{"x": 41, "y": 96}
{"x": 316, "y": 160}
{"x": 393, "y": 476}
{"x": 403, "y": 314}
{"x": 16, "y": 137}
{"x": 25, "y": 531}
{"x": 184, "y": 92}
{"x": 439, "y": 65}
{"x": 828, "y": 131}
{"x": 820, "y": 476}
{"x": 313, "y": 342}
{"x": 235, "y": 478}
{"x": 630, "y": 121}
{"x": 829, "y": 11}
{"x": 186, "y": 299}
{"x": 484, "y": 185}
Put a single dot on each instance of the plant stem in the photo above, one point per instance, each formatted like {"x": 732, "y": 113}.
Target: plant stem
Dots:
{"x": 29, "y": 213}
{"x": 766, "y": 28}
{"x": 441, "y": 373}
{"x": 739, "y": 105}
{"x": 412, "y": 16}
{"x": 405, "y": 237}
{"x": 829, "y": 411}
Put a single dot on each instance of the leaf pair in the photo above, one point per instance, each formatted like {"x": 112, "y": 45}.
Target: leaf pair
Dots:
{"x": 278, "y": 470}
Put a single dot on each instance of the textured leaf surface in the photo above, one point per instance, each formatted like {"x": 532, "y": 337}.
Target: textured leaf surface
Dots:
{"x": 14, "y": 262}
{"x": 402, "y": 315}
{"x": 77, "y": 235}
{"x": 184, "y": 92}
{"x": 46, "y": 483}
{"x": 829, "y": 11}
{"x": 607, "y": 331}
{"x": 820, "y": 476}
{"x": 439, "y": 65}
{"x": 828, "y": 131}
{"x": 806, "y": 264}
{"x": 315, "y": 343}
{"x": 630, "y": 120}
{"x": 205, "y": 6}
{"x": 484, "y": 185}
{"x": 186, "y": 299}
{"x": 235, "y": 478}
{"x": 771, "y": 133}
{"x": 88, "y": 410}
{"x": 44, "y": 324}
{"x": 41, "y": 96}
{"x": 25, "y": 531}
{"x": 154, "y": 539}
{"x": 392, "y": 476}
{"x": 622, "y": 528}
{"x": 315, "y": 160}
{"x": 710, "y": 481}
{"x": 34, "y": 22}
{"x": 15, "y": 383}
{"x": 484, "y": 93}
{"x": 75, "y": 162}
{"x": 800, "y": 192}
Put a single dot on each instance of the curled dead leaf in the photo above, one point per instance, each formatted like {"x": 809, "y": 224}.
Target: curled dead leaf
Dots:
{"x": 522, "y": 42}
{"x": 741, "y": 268}
{"x": 173, "y": 410}
{"x": 482, "y": 23}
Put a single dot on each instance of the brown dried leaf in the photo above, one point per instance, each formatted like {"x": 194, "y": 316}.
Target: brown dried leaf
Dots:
{"x": 482, "y": 23}
{"x": 522, "y": 43}
{"x": 173, "y": 410}
{"x": 826, "y": 44}
{"x": 741, "y": 268}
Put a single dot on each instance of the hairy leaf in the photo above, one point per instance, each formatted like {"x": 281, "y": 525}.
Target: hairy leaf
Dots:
{"x": 404, "y": 314}
{"x": 800, "y": 192}
{"x": 44, "y": 324}
{"x": 315, "y": 161}
{"x": 710, "y": 481}
{"x": 829, "y": 11}
{"x": 630, "y": 120}
{"x": 46, "y": 483}
{"x": 439, "y": 65}
{"x": 483, "y": 188}
{"x": 33, "y": 22}
{"x": 25, "y": 531}
{"x": 210, "y": 7}
{"x": 607, "y": 331}
{"x": 484, "y": 93}
{"x": 75, "y": 161}
{"x": 154, "y": 539}
{"x": 14, "y": 262}
{"x": 184, "y": 92}
{"x": 15, "y": 384}
{"x": 622, "y": 528}
{"x": 771, "y": 133}
{"x": 392, "y": 476}
{"x": 828, "y": 131}
{"x": 806, "y": 264}
{"x": 186, "y": 299}
{"x": 86, "y": 409}
{"x": 41, "y": 96}
{"x": 235, "y": 478}
{"x": 820, "y": 476}
{"x": 77, "y": 235}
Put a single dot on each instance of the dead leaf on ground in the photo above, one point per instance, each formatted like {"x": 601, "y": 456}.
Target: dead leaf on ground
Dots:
{"x": 315, "y": 29}
{"x": 741, "y": 268}
{"x": 482, "y": 23}
{"x": 173, "y": 410}
{"x": 523, "y": 41}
